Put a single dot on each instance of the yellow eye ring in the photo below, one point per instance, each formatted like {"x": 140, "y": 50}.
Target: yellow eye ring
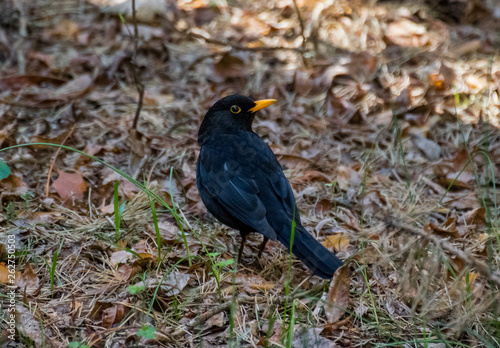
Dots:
{"x": 235, "y": 109}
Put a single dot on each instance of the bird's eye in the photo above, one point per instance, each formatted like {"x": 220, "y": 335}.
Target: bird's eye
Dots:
{"x": 235, "y": 109}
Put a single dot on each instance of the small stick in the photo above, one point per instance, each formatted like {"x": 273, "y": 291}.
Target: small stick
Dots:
{"x": 137, "y": 81}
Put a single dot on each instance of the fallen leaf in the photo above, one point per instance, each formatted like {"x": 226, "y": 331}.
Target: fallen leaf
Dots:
{"x": 339, "y": 242}
{"x": 124, "y": 272}
{"x": 347, "y": 177}
{"x": 172, "y": 285}
{"x": 40, "y": 217}
{"x": 472, "y": 278}
{"x": 13, "y": 184}
{"x": 28, "y": 280}
{"x": 293, "y": 161}
{"x": 4, "y": 273}
{"x": 337, "y": 299}
{"x": 69, "y": 186}
{"x": 458, "y": 179}
{"x": 346, "y": 216}
{"x": 449, "y": 228}
{"x": 253, "y": 284}
{"x": 121, "y": 256}
{"x": 113, "y": 315}
{"x": 217, "y": 320}
{"x": 312, "y": 176}
{"x": 49, "y": 98}
{"x": 28, "y": 325}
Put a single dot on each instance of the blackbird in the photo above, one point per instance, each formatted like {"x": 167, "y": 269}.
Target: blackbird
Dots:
{"x": 242, "y": 183}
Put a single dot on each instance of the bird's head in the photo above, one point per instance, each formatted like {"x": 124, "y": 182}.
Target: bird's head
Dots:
{"x": 231, "y": 114}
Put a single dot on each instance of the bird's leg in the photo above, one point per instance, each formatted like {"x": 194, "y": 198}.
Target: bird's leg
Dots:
{"x": 242, "y": 245}
{"x": 262, "y": 246}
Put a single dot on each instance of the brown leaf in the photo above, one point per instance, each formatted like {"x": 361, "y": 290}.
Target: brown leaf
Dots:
{"x": 113, "y": 315}
{"x": 217, "y": 320}
{"x": 46, "y": 98}
{"x": 28, "y": 280}
{"x": 293, "y": 161}
{"x": 312, "y": 176}
{"x": 124, "y": 272}
{"x": 346, "y": 216}
{"x": 14, "y": 185}
{"x": 323, "y": 207}
{"x": 4, "y": 273}
{"x": 69, "y": 186}
{"x": 448, "y": 229}
{"x": 253, "y": 284}
{"x": 346, "y": 177}
{"x": 458, "y": 179}
{"x": 41, "y": 217}
{"x": 337, "y": 299}
{"x": 338, "y": 241}
{"x": 172, "y": 285}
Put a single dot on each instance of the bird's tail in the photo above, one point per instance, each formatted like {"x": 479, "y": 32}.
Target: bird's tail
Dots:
{"x": 312, "y": 253}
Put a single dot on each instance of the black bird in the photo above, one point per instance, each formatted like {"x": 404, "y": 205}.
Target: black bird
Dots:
{"x": 242, "y": 183}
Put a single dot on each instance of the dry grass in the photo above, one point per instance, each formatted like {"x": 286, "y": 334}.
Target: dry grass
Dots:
{"x": 353, "y": 107}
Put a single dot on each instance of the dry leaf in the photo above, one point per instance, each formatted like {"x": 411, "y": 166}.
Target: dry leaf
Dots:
{"x": 347, "y": 177}
{"x": 253, "y": 284}
{"x": 69, "y": 186}
{"x": 312, "y": 176}
{"x": 28, "y": 280}
{"x": 4, "y": 274}
{"x": 120, "y": 257}
{"x": 113, "y": 315}
{"x": 13, "y": 185}
{"x": 172, "y": 285}
{"x": 124, "y": 272}
{"x": 448, "y": 229}
{"x": 337, "y": 299}
{"x": 28, "y": 325}
{"x": 339, "y": 242}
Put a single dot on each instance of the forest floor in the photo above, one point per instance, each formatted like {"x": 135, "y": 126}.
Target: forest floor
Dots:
{"x": 386, "y": 124}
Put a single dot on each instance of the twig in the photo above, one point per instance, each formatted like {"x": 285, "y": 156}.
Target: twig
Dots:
{"x": 470, "y": 260}
{"x": 47, "y": 185}
{"x": 137, "y": 81}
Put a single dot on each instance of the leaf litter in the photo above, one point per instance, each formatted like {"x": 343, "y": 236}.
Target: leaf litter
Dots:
{"x": 388, "y": 110}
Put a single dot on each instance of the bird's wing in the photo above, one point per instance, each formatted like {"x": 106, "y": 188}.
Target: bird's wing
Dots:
{"x": 234, "y": 185}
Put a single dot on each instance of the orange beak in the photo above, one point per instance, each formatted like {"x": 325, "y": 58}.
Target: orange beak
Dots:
{"x": 261, "y": 104}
